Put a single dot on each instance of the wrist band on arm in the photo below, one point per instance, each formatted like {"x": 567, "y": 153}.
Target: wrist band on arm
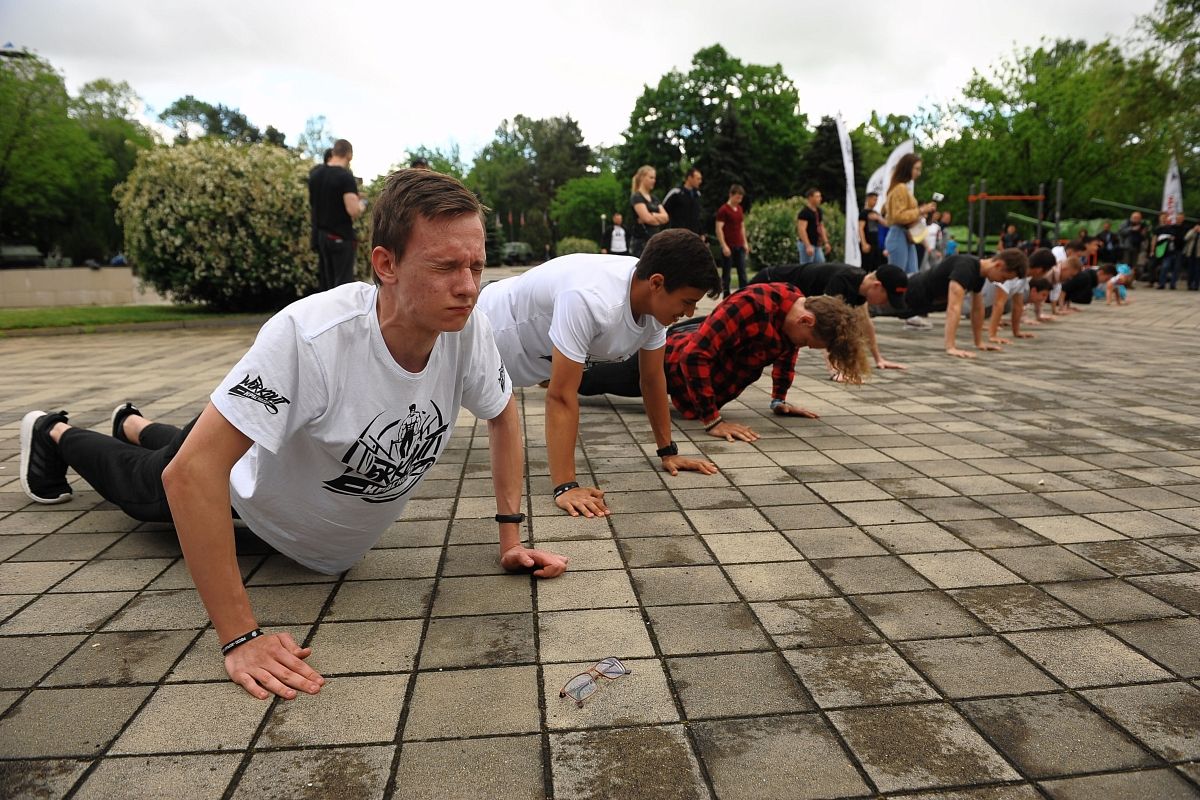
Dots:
{"x": 714, "y": 423}
{"x": 563, "y": 488}
{"x": 776, "y": 403}
{"x": 233, "y": 644}
{"x": 516, "y": 519}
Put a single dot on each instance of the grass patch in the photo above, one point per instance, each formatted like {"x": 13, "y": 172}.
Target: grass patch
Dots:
{"x": 93, "y": 316}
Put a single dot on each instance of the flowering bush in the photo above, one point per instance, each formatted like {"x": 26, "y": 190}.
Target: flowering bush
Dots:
{"x": 220, "y": 223}
{"x": 575, "y": 244}
{"x": 771, "y": 231}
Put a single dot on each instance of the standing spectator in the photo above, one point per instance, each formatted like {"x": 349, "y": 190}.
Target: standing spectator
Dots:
{"x": 1191, "y": 257}
{"x": 1010, "y": 238}
{"x": 900, "y": 210}
{"x": 313, "y": 182}
{"x": 614, "y": 241}
{"x": 337, "y": 203}
{"x": 1167, "y": 248}
{"x": 1108, "y": 243}
{"x": 1133, "y": 236}
{"x": 682, "y": 203}
{"x": 731, "y": 234}
{"x": 868, "y": 233}
{"x": 933, "y": 240}
{"x": 811, "y": 240}
{"x": 648, "y": 215}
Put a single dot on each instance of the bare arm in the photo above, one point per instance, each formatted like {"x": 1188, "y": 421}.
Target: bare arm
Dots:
{"x": 954, "y": 301}
{"x": 998, "y": 301}
{"x": 354, "y": 204}
{"x": 562, "y": 429}
{"x": 653, "y": 382}
{"x": 721, "y": 237}
{"x": 977, "y": 322}
{"x": 197, "y": 486}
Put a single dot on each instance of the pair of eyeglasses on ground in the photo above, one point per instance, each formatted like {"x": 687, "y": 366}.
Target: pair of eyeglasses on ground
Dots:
{"x": 584, "y": 684}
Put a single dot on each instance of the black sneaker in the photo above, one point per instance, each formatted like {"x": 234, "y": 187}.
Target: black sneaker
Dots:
{"x": 119, "y": 415}
{"x": 43, "y": 470}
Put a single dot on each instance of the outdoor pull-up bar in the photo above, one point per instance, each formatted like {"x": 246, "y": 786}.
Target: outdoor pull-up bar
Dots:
{"x": 982, "y": 197}
{"x": 973, "y": 198}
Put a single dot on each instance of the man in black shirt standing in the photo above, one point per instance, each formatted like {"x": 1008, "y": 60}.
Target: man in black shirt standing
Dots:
{"x": 811, "y": 240}
{"x": 859, "y": 288}
{"x": 947, "y": 284}
{"x": 336, "y": 204}
{"x": 682, "y": 203}
{"x": 868, "y": 233}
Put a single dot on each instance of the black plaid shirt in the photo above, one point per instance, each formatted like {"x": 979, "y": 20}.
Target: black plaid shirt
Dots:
{"x": 708, "y": 367}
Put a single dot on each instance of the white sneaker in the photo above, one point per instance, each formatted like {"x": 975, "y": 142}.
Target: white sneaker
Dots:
{"x": 919, "y": 323}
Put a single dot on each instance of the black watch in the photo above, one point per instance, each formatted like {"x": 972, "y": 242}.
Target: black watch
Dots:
{"x": 670, "y": 450}
{"x": 514, "y": 518}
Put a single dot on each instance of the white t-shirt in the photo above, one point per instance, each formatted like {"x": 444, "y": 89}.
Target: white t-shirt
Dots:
{"x": 618, "y": 245}
{"x": 1012, "y": 286}
{"x": 1060, "y": 253}
{"x": 342, "y": 433}
{"x": 577, "y": 303}
{"x": 933, "y": 237}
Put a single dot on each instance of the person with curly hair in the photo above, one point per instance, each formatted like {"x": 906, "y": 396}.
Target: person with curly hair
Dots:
{"x": 711, "y": 361}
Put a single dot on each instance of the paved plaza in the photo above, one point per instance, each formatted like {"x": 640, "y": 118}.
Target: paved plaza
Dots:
{"x": 970, "y": 580}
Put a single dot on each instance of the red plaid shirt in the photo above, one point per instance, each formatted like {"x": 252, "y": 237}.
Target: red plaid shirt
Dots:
{"x": 708, "y": 367}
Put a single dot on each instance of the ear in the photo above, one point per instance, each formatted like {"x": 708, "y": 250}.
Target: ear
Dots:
{"x": 657, "y": 282}
{"x": 807, "y": 318}
{"x": 383, "y": 262}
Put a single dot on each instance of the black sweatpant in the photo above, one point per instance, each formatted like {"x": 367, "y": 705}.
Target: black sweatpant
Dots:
{"x": 624, "y": 378}
{"x": 127, "y": 475}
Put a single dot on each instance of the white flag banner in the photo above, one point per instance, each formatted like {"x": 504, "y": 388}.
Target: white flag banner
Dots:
{"x": 875, "y": 182}
{"x": 902, "y": 149}
{"x": 1173, "y": 189}
{"x": 853, "y": 254}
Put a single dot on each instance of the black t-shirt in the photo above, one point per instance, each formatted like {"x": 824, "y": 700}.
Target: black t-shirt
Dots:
{"x": 1176, "y": 232}
{"x": 833, "y": 279}
{"x": 872, "y": 225}
{"x": 1079, "y": 289}
{"x": 332, "y": 183}
{"x": 813, "y": 218}
{"x": 638, "y": 230}
{"x": 683, "y": 207}
{"x": 931, "y": 288}
{"x": 1010, "y": 240}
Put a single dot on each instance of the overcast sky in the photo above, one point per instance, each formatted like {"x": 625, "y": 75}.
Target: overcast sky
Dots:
{"x": 393, "y": 75}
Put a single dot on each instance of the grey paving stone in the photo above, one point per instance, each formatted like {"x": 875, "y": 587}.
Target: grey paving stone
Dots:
{"x": 662, "y": 523}
{"x": 192, "y": 717}
{"x": 484, "y": 594}
{"x": 67, "y": 613}
{"x": 978, "y": 666}
{"x": 805, "y": 517}
{"x": 642, "y": 697}
{"x": 114, "y": 575}
{"x": 46, "y": 780}
{"x": 1165, "y": 716}
{"x": 1160, "y": 784}
{"x": 1024, "y": 504}
{"x": 27, "y": 658}
{"x": 683, "y": 630}
{"x": 729, "y": 520}
{"x": 122, "y": 658}
{"x": 589, "y": 554}
{"x": 778, "y": 581}
{"x": 593, "y": 765}
{"x": 53, "y": 723}
{"x": 765, "y": 496}
{"x": 994, "y": 532}
{"x": 380, "y": 646}
{"x": 871, "y": 574}
{"x": 858, "y": 675}
{"x": 26, "y": 522}
{"x": 741, "y": 684}
{"x": 917, "y": 615}
{"x": 334, "y": 773}
{"x": 1082, "y": 657}
{"x": 411, "y": 562}
{"x": 1141, "y": 524}
{"x": 590, "y": 635}
{"x": 1186, "y": 548}
{"x": 1055, "y": 734}
{"x": 977, "y": 485}
{"x": 472, "y": 702}
{"x": 672, "y": 585}
{"x": 187, "y": 777}
{"x": 1087, "y": 501}
{"x": 278, "y": 569}
{"x": 834, "y": 543}
{"x": 478, "y": 641}
{"x": 1110, "y": 600}
{"x": 951, "y": 508}
{"x": 845, "y": 491}
{"x": 694, "y": 499}
{"x": 1068, "y": 529}
{"x": 879, "y": 512}
{"x": 740, "y": 548}
{"x": 959, "y": 569}
{"x": 547, "y": 528}
{"x": 1181, "y": 590}
{"x": 1152, "y": 497}
{"x": 1016, "y": 608}
{"x": 1170, "y": 642}
{"x": 918, "y": 537}
{"x": 360, "y": 600}
{"x": 30, "y": 577}
{"x": 59, "y": 546}
{"x": 824, "y": 622}
{"x": 596, "y": 589}
{"x": 664, "y": 551}
{"x": 938, "y": 748}
{"x": 793, "y": 757}
{"x": 509, "y": 767}
{"x": 1048, "y": 563}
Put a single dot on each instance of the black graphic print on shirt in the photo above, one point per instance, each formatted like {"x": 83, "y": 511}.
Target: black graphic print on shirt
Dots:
{"x": 502, "y": 375}
{"x": 254, "y": 390}
{"x": 390, "y": 457}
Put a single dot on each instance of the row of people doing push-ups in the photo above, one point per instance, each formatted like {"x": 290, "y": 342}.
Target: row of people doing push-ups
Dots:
{"x": 319, "y": 434}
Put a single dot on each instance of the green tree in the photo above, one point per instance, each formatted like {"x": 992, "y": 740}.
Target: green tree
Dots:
{"x": 822, "y": 165}
{"x": 316, "y": 138}
{"x": 48, "y": 163}
{"x": 447, "y": 162}
{"x": 193, "y": 119}
{"x": 579, "y": 202}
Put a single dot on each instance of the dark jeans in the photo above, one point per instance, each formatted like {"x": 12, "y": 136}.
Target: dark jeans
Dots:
{"x": 127, "y": 475}
{"x": 336, "y": 264}
{"x": 1193, "y": 272}
{"x": 737, "y": 256}
{"x": 624, "y": 378}
{"x": 1168, "y": 265}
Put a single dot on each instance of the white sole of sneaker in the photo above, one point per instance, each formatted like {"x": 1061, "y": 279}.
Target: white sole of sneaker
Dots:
{"x": 27, "y": 423}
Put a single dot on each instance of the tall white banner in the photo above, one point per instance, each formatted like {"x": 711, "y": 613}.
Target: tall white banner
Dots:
{"x": 889, "y": 167}
{"x": 853, "y": 254}
{"x": 1173, "y": 189}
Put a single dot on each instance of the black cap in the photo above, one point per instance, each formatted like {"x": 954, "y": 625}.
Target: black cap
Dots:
{"x": 895, "y": 280}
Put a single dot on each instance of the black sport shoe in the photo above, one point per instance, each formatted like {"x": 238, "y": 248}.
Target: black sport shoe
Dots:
{"x": 119, "y": 415}
{"x": 43, "y": 470}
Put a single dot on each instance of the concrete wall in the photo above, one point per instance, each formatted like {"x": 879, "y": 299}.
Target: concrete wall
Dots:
{"x": 73, "y": 286}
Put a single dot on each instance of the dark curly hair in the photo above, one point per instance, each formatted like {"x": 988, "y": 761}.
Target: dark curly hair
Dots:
{"x": 840, "y": 327}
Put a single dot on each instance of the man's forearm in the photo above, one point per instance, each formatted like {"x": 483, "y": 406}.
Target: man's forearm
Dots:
{"x": 658, "y": 412}
{"x": 562, "y": 428}
{"x": 508, "y": 469}
{"x": 1018, "y": 313}
{"x": 977, "y": 319}
{"x": 998, "y": 301}
{"x": 953, "y": 315}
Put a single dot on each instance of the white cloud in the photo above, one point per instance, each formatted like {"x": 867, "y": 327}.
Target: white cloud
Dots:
{"x": 390, "y": 76}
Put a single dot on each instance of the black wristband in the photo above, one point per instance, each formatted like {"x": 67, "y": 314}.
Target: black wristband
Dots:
{"x": 517, "y": 518}
{"x": 563, "y": 488}
{"x": 671, "y": 449}
{"x": 230, "y": 646}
